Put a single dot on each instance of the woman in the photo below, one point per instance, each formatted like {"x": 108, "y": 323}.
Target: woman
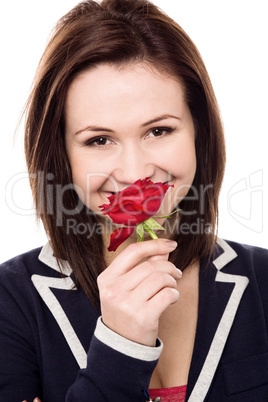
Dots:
{"x": 122, "y": 95}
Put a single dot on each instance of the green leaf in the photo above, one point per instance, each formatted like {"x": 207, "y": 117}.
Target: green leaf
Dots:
{"x": 152, "y": 224}
{"x": 140, "y": 232}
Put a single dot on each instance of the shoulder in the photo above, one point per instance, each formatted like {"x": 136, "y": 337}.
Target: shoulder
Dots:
{"x": 16, "y": 287}
{"x": 248, "y": 250}
{"x": 18, "y": 271}
{"x": 17, "y": 293}
{"x": 252, "y": 262}
{"x": 250, "y": 257}
{"x": 240, "y": 259}
{"x": 243, "y": 260}
{"x": 20, "y": 264}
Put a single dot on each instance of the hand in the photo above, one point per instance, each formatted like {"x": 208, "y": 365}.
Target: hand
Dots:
{"x": 35, "y": 400}
{"x": 134, "y": 294}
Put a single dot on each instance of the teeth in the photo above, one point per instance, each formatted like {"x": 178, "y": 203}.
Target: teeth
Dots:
{"x": 109, "y": 193}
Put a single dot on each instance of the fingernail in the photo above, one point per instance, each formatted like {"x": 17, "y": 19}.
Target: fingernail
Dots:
{"x": 171, "y": 243}
{"x": 179, "y": 272}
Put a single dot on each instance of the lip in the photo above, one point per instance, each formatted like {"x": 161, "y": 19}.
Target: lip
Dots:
{"x": 108, "y": 193}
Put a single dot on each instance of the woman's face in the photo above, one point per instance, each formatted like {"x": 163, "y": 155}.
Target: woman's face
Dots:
{"x": 125, "y": 124}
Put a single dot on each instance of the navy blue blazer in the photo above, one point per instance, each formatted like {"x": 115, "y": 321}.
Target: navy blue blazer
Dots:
{"x": 230, "y": 358}
{"x": 49, "y": 347}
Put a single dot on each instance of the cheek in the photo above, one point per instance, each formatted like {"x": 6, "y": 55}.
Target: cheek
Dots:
{"x": 182, "y": 171}
{"x": 84, "y": 179}
{"x": 180, "y": 162}
{"x": 186, "y": 162}
{"x": 79, "y": 177}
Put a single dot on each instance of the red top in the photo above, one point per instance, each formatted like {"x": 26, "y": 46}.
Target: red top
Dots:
{"x": 175, "y": 394}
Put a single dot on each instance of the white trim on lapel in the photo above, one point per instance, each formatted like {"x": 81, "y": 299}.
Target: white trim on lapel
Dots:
{"x": 46, "y": 256}
{"x": 213, "y": 357}
{"x": 43, "y": 285}
{"x": 227, "y": 256}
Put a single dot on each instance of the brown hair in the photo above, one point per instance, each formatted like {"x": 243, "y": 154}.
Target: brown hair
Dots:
{"x": 117, "y": 31}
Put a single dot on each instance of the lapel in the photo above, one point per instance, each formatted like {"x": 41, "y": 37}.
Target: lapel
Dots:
{"x": 219, "y": 296}
{"x": 44, "y": 284}
{"x": 46, "y": 256}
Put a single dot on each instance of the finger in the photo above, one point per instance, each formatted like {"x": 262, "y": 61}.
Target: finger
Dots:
{"x": 142, "y": 271}
{"x": 162, "y": 257}
{"x": 161, "y": 300}
{"x": 135, "y": 252}
{"x": 153, "y": 285}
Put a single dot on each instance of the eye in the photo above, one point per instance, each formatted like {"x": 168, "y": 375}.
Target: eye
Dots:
{"x": 160, "y": 132}
{"x": 97, "y": 141}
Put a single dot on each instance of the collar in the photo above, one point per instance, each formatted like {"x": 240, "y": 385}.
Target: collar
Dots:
{"x": 47, "y": 257}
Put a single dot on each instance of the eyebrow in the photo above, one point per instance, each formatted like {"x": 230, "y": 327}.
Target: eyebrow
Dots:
{"x": 162, "y": 117}
{"x": 93, "y": 128}
{"x": 155, "y": 120}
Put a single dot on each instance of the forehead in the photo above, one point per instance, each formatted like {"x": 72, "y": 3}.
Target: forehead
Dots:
{"x": 106, "y": 76}
{"x": 108, "y": 92}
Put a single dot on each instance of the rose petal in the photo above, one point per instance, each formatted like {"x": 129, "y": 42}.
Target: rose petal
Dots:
{"x": 119, "y": 236}
{"x": 132, "y": 206}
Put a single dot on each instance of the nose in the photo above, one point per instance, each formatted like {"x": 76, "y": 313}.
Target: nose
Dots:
{"x": 133, "y": 164}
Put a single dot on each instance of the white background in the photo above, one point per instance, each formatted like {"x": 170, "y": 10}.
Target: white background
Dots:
{"x": 232, "y": 37}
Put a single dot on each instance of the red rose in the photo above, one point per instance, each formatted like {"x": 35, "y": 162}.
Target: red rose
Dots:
{"x": 136, "y": 203}
{"x": 119, "y": 236}
{"x": 133, "y": 205}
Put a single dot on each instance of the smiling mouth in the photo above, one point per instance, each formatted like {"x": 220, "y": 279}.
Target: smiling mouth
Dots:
{"x": 109, "y": 193}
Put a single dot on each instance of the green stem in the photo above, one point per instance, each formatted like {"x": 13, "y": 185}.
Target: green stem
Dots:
{"x": 167, "y": 216}
{"x": 150, "y": 231}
